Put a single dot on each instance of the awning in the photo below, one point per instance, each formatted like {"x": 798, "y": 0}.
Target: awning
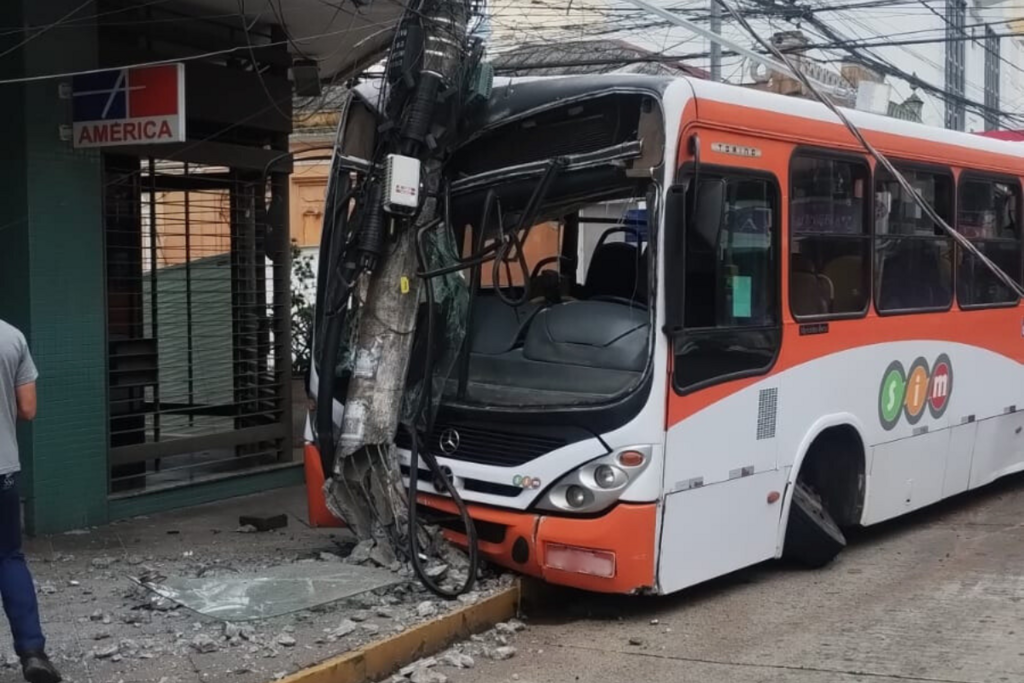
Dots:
{"x": 342, "y": 36}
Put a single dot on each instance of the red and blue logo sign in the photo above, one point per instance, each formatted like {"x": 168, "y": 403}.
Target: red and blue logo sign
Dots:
{"x": 140, "y": 105}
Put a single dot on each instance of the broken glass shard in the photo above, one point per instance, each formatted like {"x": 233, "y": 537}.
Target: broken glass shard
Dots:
{"x": 273, "y": 592}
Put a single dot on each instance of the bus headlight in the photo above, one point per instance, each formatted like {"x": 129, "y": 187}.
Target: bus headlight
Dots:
{"x": 598, "y": 484}
{"x": 605, "y": 477}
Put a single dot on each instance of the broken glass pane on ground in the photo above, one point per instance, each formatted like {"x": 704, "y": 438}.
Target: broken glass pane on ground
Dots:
{"x": 273, "y": 592}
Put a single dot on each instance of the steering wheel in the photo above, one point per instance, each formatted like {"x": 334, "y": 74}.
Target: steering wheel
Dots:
{"x": 633, "y": 303}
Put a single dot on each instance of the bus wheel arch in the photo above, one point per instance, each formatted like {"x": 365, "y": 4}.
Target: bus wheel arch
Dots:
{"x": 825, "y": 494}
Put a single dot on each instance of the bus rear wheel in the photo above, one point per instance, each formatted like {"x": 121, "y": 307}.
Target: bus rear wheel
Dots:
{"x": 813, "y": 539}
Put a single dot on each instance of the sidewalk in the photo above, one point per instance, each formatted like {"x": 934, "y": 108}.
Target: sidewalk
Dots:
{"x": 103, "y": 628}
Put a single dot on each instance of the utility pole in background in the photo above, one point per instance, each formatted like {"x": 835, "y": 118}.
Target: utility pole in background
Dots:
{"x": 716, "y": 47}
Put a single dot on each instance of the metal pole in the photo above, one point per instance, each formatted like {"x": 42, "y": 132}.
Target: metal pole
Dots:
{"x": 188, "y": 302}
{"x": 154, "y": 300}
{"x": 716, "y": 45}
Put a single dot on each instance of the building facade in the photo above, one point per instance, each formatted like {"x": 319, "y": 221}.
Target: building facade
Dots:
{"x": 152, "y": 277}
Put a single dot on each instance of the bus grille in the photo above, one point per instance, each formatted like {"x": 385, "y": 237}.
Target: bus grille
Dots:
{"x": 485, "y": 445}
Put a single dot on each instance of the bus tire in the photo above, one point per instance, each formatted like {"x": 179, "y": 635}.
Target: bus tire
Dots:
{"x": 813, "y": 539}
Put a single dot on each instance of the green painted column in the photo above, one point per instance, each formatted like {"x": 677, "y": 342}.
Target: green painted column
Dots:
{"x": 52, "y": 269}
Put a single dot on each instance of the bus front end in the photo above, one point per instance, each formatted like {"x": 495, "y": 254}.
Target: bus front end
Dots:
{"x": 551, "y": 420}
{"x": 548, "y": 381}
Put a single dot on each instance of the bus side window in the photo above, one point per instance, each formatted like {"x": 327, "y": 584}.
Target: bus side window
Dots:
{"x": 988, "y": 217}
{"x": 830, "y": 237}
{"x": 731, "y": 312}
{"x": 913, "y": 256}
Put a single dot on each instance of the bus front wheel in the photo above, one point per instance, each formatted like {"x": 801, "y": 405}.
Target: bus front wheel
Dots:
{"x": 813, "y": 539}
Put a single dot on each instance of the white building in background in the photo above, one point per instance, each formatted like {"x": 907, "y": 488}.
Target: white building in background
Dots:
{"x": 960, "y": 47}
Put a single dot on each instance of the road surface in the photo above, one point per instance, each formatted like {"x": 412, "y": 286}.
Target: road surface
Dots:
{"x": 936, "y": 597}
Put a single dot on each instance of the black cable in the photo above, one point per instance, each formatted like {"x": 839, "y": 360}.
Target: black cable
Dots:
{"x": 422, "y": 408}
{"x": 503, "y": 257}
{"x": 512, "y": 239}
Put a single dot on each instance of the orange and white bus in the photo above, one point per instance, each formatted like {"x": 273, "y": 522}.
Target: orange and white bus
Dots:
{"x": 743, "y": 339}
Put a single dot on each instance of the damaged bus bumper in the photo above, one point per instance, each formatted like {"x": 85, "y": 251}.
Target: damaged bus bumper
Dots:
{"x": 613, "y": 553}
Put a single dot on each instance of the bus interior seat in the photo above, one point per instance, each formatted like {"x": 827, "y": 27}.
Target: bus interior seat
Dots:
{"x": 914, "y": 276}
{"x": 615, "y": 271}
{"x": 581, "y": 348}
{"x": 809, "y": 293}
{"x": 593, "y": 334}
{"x": 845, "y": 273}
{"x": 497, "y": 327}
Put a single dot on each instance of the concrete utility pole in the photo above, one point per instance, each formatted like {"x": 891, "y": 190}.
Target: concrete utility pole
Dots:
{"x": 716, "y": 46}
{"x": 366, "y": 488}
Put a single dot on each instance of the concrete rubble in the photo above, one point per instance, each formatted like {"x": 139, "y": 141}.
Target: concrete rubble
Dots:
{"x": 102, "y": 626}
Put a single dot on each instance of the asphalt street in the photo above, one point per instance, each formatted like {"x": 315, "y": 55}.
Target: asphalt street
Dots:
{"x": 934, "y": 597}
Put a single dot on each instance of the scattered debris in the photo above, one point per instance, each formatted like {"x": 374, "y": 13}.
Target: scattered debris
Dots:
{"x": 246, "y": 529}
{"x": 458, "y": 660}
{"x": 372, "y": 629}
{"x": 426, "y": 609}
{"x": 97, "y": 615}
{"x": 107, "y": 652}
{"x": 655, "y": 622}
{"x": 470, "y": 598}
{"x": 102, "y": 562}
{"x": 436, "y": 571}
{"x": 428, "y": 676}
{"x": 427, "y": 663}
{"x": 361, "y": 553}
{"x": 264, "y": 523}
{"x": 286, "y": 640}
{"x": 636, "y": 642}
{"x": 204, "y": 644}
{"x": 500, "y": 654}
{"x": 47, "y": 588}
{"x": 383, "y": 555}
{"x": 346, "y": 627}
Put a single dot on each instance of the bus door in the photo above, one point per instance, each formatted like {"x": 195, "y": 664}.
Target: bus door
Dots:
{"x": 721, "y": 447}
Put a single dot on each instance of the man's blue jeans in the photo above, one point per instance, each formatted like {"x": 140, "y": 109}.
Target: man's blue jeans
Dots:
{"x": 16, "y": 587}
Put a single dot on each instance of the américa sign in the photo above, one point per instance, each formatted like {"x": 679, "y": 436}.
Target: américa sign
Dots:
{"x": 907, "y": 394}
{"x": 131, "y": 106}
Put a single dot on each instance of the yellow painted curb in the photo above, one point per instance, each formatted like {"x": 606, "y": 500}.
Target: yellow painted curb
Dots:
{"x": 382, "y": 658}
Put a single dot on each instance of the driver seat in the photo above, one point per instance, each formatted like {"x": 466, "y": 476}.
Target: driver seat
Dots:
{"x": 615, "y": 271}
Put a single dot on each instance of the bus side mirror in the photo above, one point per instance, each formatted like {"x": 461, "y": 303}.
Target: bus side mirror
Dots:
{"x": 674, "y": 257}
{"x": 705, "y": 218}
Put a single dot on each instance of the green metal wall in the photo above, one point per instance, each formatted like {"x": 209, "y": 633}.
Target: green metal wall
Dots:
{"x": 52, "y": 282}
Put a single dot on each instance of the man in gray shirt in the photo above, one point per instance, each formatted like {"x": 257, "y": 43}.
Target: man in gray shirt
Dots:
{"x": 18, "y": 401}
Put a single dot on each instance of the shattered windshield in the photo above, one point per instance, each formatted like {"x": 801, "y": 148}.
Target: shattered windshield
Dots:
{"x": 566, "y": 321}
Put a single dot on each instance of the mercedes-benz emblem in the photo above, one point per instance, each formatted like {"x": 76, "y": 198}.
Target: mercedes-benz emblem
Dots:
{"x": 449, "y": 441}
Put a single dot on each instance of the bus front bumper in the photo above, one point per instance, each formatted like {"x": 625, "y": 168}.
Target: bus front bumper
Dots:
{"x": 613, "y": 553}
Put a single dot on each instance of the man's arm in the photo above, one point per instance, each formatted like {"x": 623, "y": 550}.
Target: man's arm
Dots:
{"x": 25, "y": 384}
{"x": 27, "y": 402}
